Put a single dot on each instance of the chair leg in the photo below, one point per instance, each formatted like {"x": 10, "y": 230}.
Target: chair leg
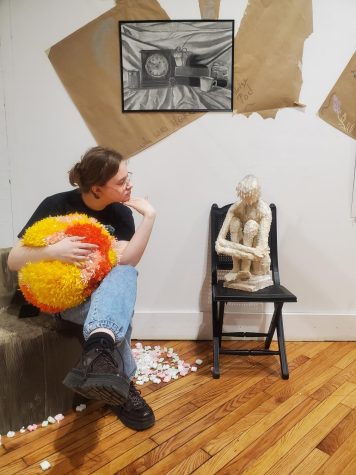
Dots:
{"x": 282, "y": 348}
{"x": 272, "y": 326}
{"x": 216, "y": 370}
{"x": 221, "y": 319}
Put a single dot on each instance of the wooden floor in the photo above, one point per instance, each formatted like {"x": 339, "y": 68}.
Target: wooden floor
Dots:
{"x": 249, "y": 421}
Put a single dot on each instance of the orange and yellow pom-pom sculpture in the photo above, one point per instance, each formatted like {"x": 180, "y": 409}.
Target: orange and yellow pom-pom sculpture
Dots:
{"x": 54, "y": 286}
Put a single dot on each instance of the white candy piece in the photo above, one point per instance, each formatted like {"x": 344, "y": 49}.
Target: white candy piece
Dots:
{"x": 81, "y": 407}
{"x": 22, "y": 430}
{"x": 193, "y": 368}
{"x": 11, "y": 433}
{"x": 156, "y": 364}
{"x": 198, "y": 361}
{"x": 45, "y": 465}
{"x": 51, "y": 420}
{"x": 45, "y": 423}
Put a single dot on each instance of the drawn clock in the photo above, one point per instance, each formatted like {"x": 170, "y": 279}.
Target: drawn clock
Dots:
{"x": 157, "y": 67}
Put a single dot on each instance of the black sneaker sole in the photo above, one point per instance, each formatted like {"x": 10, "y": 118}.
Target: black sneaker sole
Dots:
{"x": 135, "y": 424}
{"x": 108, "y": 388}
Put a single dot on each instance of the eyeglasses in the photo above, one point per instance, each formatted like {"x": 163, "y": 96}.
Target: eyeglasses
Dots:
{"x": 127, "y": 180}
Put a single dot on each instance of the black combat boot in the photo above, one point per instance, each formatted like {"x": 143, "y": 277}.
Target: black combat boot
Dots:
{"x": 99, "y": 373}
{"x": 135, "y": 413}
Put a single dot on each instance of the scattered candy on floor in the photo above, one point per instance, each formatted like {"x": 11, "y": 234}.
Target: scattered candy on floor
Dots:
{"x": 32, "y": 427}
{"x": 156, "y": 365}
{"x": 45, "y": 465}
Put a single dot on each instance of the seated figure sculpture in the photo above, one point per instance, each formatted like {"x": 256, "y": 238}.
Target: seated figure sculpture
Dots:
{"x": 248, "y": 221}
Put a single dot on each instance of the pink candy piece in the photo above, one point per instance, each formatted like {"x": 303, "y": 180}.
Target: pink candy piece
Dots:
{"x": 59, "y": 417}
{"x": 32, "y": 427}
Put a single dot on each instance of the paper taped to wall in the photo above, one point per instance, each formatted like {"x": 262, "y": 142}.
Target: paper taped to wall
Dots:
{"x": 209, "y": 9}
{"x": 339, "y": 108}
{"x": 268, "y": 55}
{"x": 88, "y": 64}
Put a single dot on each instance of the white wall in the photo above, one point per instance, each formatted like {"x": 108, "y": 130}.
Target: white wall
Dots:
{"x": 304, "y": 165}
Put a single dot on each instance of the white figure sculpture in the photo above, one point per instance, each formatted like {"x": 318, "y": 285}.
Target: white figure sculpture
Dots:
{"x": 249, "y": 222}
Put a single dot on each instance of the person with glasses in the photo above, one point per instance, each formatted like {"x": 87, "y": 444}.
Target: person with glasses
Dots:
{"x": 103, "y": 191}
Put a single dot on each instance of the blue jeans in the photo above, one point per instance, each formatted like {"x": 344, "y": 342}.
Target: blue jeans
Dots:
{"x": 111, "y": 306}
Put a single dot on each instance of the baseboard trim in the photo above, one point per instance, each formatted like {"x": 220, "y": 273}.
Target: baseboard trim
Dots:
{"x": 197, "y": 326}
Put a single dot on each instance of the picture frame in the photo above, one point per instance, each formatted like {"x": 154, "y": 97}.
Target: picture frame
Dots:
{"x": 176, "y": 65}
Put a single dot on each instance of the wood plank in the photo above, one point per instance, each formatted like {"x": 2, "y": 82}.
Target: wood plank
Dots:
{"x": 248, "y": 421}
{"x": 347, "y": 359}
{"x": 30, "y": 442}
{"x": 118, "y": 463}
{"x": 304, "y": 377}
{"x": 261, "y": 444}
{"x": 329, "y": 412}
{"x": 190, "y": 463}
{"x": 350, "y": 400}
{"x": 340, "y": 458}
{"x": 330, "y": 386}
{"x": 13, "y": 467}
{"x": 339, "y": 434}
{"x": 198, "y": 431}
{"x": 190, "y": 444}
{"x": 232, "y": 450}
{"x": 306, "y": 444}
{"x": 311, "y": 463}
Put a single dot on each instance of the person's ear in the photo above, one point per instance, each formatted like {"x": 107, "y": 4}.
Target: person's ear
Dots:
{"x": 96, "y": 191}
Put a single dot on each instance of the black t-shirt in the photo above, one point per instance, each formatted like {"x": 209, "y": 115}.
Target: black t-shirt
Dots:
{"x": 116, "y": 217}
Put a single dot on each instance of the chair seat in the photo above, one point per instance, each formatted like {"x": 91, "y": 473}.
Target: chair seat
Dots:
{"x": 273, "y": 293}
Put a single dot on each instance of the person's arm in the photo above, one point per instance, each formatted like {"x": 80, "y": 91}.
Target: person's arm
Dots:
{"x": 132, "y": 251}
{"x": 70, "y": 249}
{"x": 264, "y": 227}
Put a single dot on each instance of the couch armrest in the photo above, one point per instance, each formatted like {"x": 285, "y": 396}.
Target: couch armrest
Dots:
{"x": 8, "y": 279}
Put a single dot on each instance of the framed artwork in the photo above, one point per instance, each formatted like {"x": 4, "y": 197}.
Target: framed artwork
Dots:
{"x": 178, "y": 65}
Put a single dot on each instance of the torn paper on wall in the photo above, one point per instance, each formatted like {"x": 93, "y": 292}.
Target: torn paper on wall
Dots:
{"x": 88, "y": 64}
{"x": 268, "y": 55}
{"x": 209, "y": 9}
{"x": 339, "y": 108}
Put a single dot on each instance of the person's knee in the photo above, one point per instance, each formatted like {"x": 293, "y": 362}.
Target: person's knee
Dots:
{"x": 125, "y": 270}
{"x": 235, "y": 225}
{"x": 251, "y": 228}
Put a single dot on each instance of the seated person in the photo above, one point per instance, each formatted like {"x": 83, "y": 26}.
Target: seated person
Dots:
{"x": 107, "y": 366}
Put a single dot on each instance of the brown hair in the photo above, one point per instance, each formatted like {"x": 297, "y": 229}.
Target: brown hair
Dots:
{"x": 96, "y": 167}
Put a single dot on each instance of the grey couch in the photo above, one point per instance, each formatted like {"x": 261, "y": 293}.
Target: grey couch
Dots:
{"x": 35, "y": 355}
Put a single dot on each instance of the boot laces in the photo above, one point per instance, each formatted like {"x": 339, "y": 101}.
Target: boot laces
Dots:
{"x": 104, "y": 356}
{"x": 135, "y": 397}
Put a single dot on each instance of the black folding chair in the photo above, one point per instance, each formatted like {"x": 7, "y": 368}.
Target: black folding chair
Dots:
{"x": 221, "y": 295}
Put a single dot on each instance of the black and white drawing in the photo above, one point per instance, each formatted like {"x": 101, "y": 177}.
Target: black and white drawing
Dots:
{"x": 177, "y": 65}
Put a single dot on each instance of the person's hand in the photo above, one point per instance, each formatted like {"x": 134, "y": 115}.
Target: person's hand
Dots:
{"x": 260, "y": 252}
{"x": 71, "y": 249}
{"x": 142, "y": 206}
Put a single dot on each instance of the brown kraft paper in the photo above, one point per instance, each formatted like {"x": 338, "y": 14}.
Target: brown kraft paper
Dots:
{"x": 209, "y": 9}
{"x": 268, "y": 55}
{"x": 339, "y": 108}
{"x": 88, "y": 64}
